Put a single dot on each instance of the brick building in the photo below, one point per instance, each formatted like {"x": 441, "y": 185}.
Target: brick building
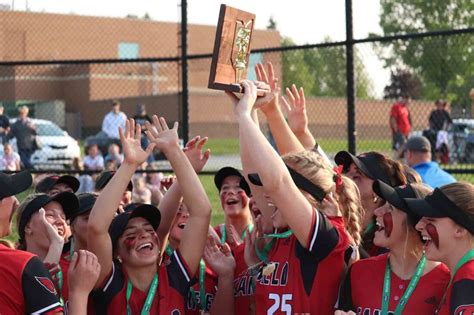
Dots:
{"x": 86, "y": 89}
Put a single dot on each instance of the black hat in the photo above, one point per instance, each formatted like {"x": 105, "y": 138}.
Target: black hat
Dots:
{"x": 438, "y": 205}
{"x": 245, "y": 187}
{"x": 47, "y": 183}
{"x": 300, "y": 181}
{"x": 11, "y": 185}
{"x": 86, "y": 203}
{"x": 368, "y": 163}
{"x": 395, "y": 196}
{"x": 226, "y": 172}
{"x": 135, "y": 210}
{"x": 67, "y": 200}
{"x": 104, "y": 179}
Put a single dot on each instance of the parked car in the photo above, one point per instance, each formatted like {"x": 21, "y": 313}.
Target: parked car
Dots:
{"x": 57, "y": 149}
{"x": 460, "y": 140}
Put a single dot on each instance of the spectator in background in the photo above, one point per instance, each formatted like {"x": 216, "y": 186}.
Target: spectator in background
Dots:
{"x": 400, "y": 124}
{"x": 4, "y": 125}
{"x": 93, "y": 160}
{"x": 114, "y": 155}
{"x": 10, "y": 161}
{"x": 418, "y": 156}
{"x": 24, "y": 130}
{"x": 141, "y": 194}
{"x": 113, "y": 120}
{"x": 140, "y": 118}
{"x": 440, "y": 119}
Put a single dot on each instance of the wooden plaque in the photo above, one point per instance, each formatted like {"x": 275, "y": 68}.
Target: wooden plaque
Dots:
{"x": 231, "y": 49}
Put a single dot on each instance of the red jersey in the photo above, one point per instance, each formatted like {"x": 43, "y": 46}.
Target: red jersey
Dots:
{"x": 244, "y": 284}
{"x": 26, "y": 286}
{"x": 460, "y": 295}
{"x": 173, "y": 287}
{"x": 402, "y": 117}
{"x": 306, "y": 277}
{"x": 193, "y": 305}
{"x": 363, "y": 288}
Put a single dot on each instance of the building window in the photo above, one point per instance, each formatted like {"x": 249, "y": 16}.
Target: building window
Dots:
{"x": 253, "y": 60}
{"x": 128, "y": 50}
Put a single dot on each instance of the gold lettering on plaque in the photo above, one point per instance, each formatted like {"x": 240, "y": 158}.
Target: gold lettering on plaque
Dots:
{"x": 241, "y": 43}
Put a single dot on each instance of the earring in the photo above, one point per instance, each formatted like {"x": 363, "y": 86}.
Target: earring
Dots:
{"x": 119, "y": 259}
{"x": 376, "y": 199}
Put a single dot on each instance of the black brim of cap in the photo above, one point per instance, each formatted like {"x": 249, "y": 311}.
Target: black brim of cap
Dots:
{"x": 423, "y": 209}
{"x": 245, "y": 187}
{"x": 345, "y": 159}
{"x": 390, "y": 195}
{"x": 86, "y": 203}
{"x": 225, "y": 172}
{"x": 68, "y": 201}
{"x": 69, "y": 180}
{"x": 15, "y": 184}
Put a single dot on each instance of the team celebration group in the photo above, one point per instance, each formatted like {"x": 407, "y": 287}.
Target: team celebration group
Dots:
{"x": 302, "y": 234}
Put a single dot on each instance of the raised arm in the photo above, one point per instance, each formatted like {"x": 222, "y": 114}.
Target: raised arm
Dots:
{"x": 285, "y": 139}
{"x": 170, "y": 202}
{"x": 195, "y": 233}
{"x": 275, "y": 177}
{"x": 105, "y": 207}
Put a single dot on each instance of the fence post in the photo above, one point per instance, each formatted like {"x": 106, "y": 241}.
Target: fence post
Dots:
{"x": 351, "y": 115}
{"x": 184, "y": 71}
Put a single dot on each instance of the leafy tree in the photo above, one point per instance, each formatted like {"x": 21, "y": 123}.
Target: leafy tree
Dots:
{"x": 442, "y": 63}
{"x": 403, "y": 82}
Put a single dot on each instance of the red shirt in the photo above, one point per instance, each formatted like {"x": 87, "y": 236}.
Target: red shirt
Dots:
{"x": 307, "y": 277}
{"x": 173, "y": 288}
{"x": 363, "y": 288}
{"x": 26, "y": 286}
{"x": 244, "y": 285}
{"x": 402, "y": 118}
{"x": 193, "y": 305}
{"x": 460, "y": 296}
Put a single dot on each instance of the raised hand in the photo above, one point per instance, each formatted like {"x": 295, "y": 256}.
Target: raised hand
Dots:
{"x": 83, "y": 272}
{"x": 166, "y": 182}
{"x": 160, "y": 135}
{"x": 51, "y": 233}
{"x": 295, "y": 108}
{"x": 269, "y": 100}
{"x": 193, "y": 151}
{"x": 131, "y": 144}
{"x": 233, "y": 237}
{"x": 244, "y": 105}
{"x": 219, "y": 259}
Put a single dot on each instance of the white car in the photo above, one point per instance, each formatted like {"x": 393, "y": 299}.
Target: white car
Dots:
{"x": 57, "y": 149}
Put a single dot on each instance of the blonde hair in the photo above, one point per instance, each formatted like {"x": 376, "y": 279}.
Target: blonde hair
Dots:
{"x": 314, "y": 168}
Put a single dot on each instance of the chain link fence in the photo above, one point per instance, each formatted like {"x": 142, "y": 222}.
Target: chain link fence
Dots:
{"x": 69, "y": 69}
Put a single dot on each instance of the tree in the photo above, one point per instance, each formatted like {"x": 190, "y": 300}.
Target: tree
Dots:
{"x": 442, "y": 63}
{"x": 272, "y": 25}
{"x": 403, "y": 82}
{"x": 322, "y": 72}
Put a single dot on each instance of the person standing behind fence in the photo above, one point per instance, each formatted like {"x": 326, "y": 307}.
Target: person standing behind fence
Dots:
{"x": 141, "y": 117}
{"x": 24, "y": 130}
{"x": 4, "y": 125}
{"x": 113, "y": 120}
{"x": 400, "y": 124}
{"x": 440, "y": 118}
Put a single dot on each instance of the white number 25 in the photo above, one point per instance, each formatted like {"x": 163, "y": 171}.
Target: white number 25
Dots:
{"x": 280, "y": 303}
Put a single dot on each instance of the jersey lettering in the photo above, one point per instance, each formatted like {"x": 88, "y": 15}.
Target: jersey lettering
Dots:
{"x": 464, "y": 310}
{"x": 369, "y": 311}
{"x": 243, "y": 286}
{"x": 194, "y": 304}
{"x": 279, "y": 276}
{"x": 280, "y": 304}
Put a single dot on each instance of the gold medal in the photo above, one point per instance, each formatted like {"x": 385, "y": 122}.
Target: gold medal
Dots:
{"x": 269, "y": 269}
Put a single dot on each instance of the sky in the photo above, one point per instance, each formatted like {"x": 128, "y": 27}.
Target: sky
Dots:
{"x": 305, "y": 21}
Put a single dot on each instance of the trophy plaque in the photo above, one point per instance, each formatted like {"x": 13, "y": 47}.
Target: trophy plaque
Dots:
{"x": 231, "y": 49}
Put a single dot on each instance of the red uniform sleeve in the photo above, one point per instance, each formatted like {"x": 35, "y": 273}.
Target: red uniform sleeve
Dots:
{"x": 462, "y": 297}
{"x": 394, "y": 112}
{"x": 38, "y": 289}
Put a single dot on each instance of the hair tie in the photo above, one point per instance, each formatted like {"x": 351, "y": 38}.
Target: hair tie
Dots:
{"x": 338, "y": 176}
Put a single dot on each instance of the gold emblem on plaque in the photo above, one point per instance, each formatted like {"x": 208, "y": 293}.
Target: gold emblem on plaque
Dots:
{"x": 241, "y": 45}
